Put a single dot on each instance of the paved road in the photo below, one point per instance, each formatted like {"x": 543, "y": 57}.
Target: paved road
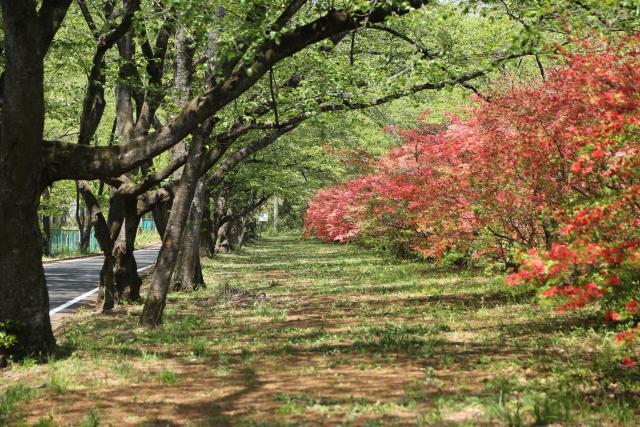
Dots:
{"x": 72, "y": 281}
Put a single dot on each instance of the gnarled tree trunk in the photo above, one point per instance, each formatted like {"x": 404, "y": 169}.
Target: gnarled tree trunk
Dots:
{"x": 107, "y": 292}
{"x": 24, "y": 302}
{"x": 160, "y": 281}
{"x": 125, "y": 269}
{"x": 83, "y": 222}
{"x": 191, "y": 268}
{"x": 207, "y": 244}
{"x": 223, "y": 245}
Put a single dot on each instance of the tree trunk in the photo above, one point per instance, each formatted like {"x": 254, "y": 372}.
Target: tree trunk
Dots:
{"x": 251, "y": 228}
{"x": 223, "y": 246}
{"x": 125, "y": 269}
{"x": 191, "y": 269}
{"x": 46, "y": 226}
{"x": 176, "y": 276}
{"x": 83, "y": 223}
{"x": 24, "y": 302}
{"x": 85, "y": 240}
{"x": 207, "y": 244}
{"x": 236, "y": 237}
{"x": 160, "y": 217}
{"x": 218, "y": 234}
{"x": 156, "y": 298}
{"x": 106, "y": 292}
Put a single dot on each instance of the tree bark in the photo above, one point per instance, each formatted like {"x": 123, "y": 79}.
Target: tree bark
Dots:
{"x": 182, "y": 91}
{"x": 83, "y": 222}
{"x": 46, "y": 226}
{"x": 191, "y": 269}
{"x": 236, "y": 233}
{"x": 223, "y": 246}
{"x": 107, "y": 292}
{"x": 125, "y": 269}
{"x": 207, "y": 244}
{"x": 24, "y": 302}
{"x": 157, "y": 296}
{"x": 219, "y": 213}
{"x": 160, "y": 217}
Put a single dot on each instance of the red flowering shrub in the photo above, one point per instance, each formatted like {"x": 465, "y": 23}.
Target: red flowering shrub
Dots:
{"x": 545, "y": 178}
{"x": 330, "y": 215}
{"x": 598, "y": 241}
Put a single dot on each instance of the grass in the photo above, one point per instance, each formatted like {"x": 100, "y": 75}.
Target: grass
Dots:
{"x": 146, "y": 238}
{"x": 293, "y": 332}
{"x": 168, "y": 377}
{"x": 12, "y": 396}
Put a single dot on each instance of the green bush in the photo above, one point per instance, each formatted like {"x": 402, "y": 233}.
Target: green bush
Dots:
{"x": 7, "y": 334}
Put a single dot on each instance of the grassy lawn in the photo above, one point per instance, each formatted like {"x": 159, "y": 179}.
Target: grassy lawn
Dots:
{"x": 293, "y": 332}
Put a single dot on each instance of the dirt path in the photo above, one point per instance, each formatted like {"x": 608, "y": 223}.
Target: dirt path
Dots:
{"x": 300, "y": 333}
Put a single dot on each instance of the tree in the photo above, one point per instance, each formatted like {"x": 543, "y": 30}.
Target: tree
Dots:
{"x": 28, "y": 31}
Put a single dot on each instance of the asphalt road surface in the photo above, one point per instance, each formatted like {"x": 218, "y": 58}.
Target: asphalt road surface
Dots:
{"x": 72, "y": 281}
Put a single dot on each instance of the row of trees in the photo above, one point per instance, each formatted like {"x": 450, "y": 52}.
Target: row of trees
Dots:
{"x": 150, "y": 106}
{"x": 172, "y": 75}
{"x": 543, "y": 178}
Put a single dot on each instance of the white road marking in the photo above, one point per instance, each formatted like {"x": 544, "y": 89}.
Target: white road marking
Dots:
{"x": 84, "y": 296}
{"x": 144, "y": 268}
{"x": 73, "y": 301}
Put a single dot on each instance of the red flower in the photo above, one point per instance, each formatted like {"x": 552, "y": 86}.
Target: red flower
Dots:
{"x": 632, "y": 306}
{"x": 551, "y": 292}
{"x": 627, "y": 361}
{"x": 614, "y": 280}
{"x": 625, "y": 336}
{"x": 611, "y": 316}
{"x": 513, "y": 279}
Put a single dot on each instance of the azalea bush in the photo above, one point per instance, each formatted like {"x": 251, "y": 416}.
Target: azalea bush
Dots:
{"x": 544, "y": 178}
{"x": 597, "y": 251}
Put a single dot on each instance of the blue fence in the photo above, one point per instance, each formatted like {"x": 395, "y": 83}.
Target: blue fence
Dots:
{"x": 147, "y": 224}
{"x": 68, "y": 241}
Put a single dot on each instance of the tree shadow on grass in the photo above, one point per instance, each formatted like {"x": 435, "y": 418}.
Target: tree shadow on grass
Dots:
{"x": 185, "y": 400}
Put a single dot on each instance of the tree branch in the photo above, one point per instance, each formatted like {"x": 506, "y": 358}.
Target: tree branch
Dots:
{"x": 81, "y": 162}
{"x": 50, "y": 17}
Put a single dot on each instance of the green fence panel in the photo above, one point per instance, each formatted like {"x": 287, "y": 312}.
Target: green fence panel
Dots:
{"x": 68, "y": 241}
{"x": 147, "y": 224}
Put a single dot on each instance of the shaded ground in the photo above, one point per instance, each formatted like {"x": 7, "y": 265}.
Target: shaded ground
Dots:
{"x": 292, "y": 332}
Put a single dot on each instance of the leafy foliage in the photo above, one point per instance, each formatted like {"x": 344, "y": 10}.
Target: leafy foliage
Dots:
{"x": 544, "y": 177}
{"x": 7, "y": 335}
